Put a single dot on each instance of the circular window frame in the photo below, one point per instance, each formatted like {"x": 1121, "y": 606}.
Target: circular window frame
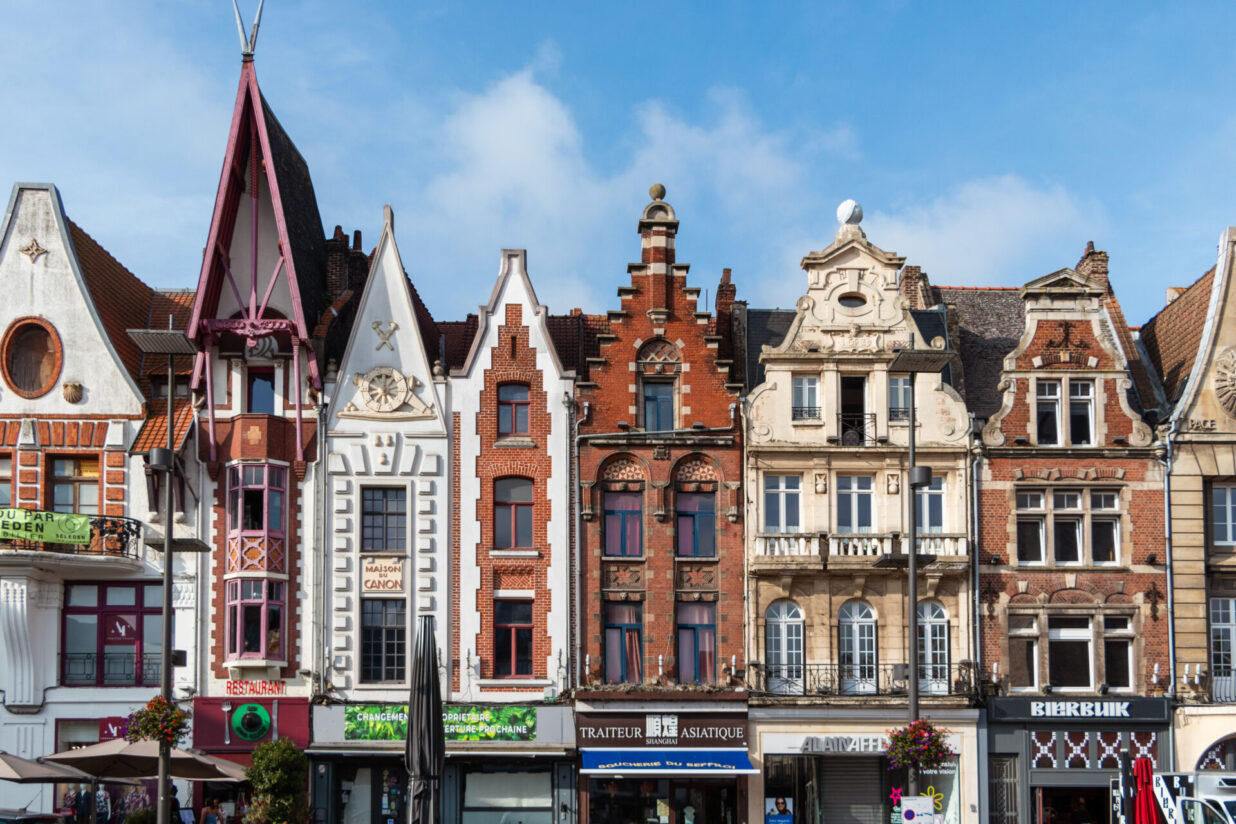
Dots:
{"x": 10, "y": 335}
{"x": 858, "y": 301}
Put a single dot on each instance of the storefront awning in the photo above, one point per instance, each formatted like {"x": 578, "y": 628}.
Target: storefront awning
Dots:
{"x": 666, "y": 762}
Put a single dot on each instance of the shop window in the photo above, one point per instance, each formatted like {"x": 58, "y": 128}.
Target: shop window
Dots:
{"x": 624, "y": 517}
{"x": 933, "y": 669}
{"x": 490, "y": 796}
{"x": 658, "y": 406}
{"x": 854, "y": 493}
{"x": 260, "y": 390}
{"x": 806, "y": 401}
{"x": 112, "y": 634}
{"x": 1118, "y": 652}
{"x": 512, "y": 513}
{"x": 1070, "y": 653}
{"x": 512, "y": 409}
{"x": 1222, "y": 648}
{"x": 512, "y": 639}
{"x": 75, "y": 485}
{"x": 6, "y": 481}
{"x": 624, "y": 646}
{"x": 384, "y": 519}
{"x": 255, "y": 498}
{"x": 929, "y": 515}
{"x": 255, "y": 608}
{"x": 783, "y": 648}
{"x": 899, "y": 397}
{"x": 1084, "y": 527}
{"x": 1223, "y": 514}
{"x": 697, "y": 643}
{"x": 1047, "y": 406}
{"x": 781, "y": 503}
{"x": 697, "y": 525}
{"x": 856, "y": 650}
{"x": 31, "y": 357}
{"x": 1023, "y": 667}
{"x": 1081, "y": 413}
{"x": 384, "y": 647}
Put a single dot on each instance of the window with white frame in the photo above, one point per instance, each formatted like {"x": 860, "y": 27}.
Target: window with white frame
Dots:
{"x": 1051, "y": 416}
{"x": 930, "y": 510}
{"x": 1222, "y": 648}
{"x": 1047, "y": 412}
{"x": 781, "y": 503}
{"x": 1070, "y": 652}
{"x": 1118, "y": 652}
{"x": 1083, "y": 525}
{"x": 806, "y": 406}
{"x": 899, "y": 397}
{"x": 1081, "y": 413}
{"x": 1223, "y": 514}
{"x": 854, "y": 503}
{"x": 1023, "y": 667}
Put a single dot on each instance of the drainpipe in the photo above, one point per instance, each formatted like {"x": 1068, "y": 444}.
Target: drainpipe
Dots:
{"x": 1167, "y": 460}
{"x": 976, "y": 639}
{"x": 319, "y": 533}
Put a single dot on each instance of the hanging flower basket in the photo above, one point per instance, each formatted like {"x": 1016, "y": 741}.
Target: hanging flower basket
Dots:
{"x": 159, "y": 720}
{"x": 921, "y": 745}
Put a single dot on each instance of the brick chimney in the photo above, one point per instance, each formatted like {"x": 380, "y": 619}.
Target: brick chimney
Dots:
{"x": 915, "y": 288}
{"x": 1093, "y": 264}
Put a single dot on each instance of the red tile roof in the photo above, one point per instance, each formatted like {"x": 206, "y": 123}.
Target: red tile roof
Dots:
{"x": 154, "y": 429}
{"x": 1172, "y": 337}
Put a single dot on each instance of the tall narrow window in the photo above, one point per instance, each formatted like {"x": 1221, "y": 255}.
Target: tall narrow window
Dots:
{"x": 781, "y": 503}
{"x": 512, "y": 513}
{"x": 697, "y": 524}
{"x": 75, "y": 485}
{"x": 854, "y": 503}
{"x": 856, "y": 650}
{"x": 624, "y": 519}
{"x": 624, "y": 647}
{"x": 697, "y": 643}
{"x": 1118, "y": 652}
{"x": 899, "y": 397}
{"x": 930, "y": 511}
{"x": 783, "y": 648}
{"x": 6, "y": 482}
{"x": 1223, "y": 514}
{"x": 1023, "y": 667}
{"x": 255, "y": 498}
{"x": 384, "y": 519}
{"x": 260, "y": 390}
{"x": 806, "y": 399}
{"x": 1081, "y": 413}
{"x": 1067, "y": 527}
{"x": 933, "y": 676}
{"x": 512, "y": 639}
{"x": 1030, "y": 527}
{"x": 512, "y": 409}
{"x": 1104, "y": 528}
{"x": 1222, "y": 649}
{"x": 658, "y": 406}
{"x": 1070, "y": 652}
{"x": 255, "y": 618}
{"x": 1048, "y": 412}
{"x": 384, "y": 647}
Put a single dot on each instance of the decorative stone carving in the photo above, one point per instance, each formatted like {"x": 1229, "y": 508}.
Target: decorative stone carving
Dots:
{"x": 73, "y": 392}
{"x": 894, "y": 483}
{"x": 821, "y": 483}
{"x": 384, "y": 338}
{"x": 386, "y": 395}
{"x": 697, "y": 576}
{"x": 623, "y": 576}
{"x": 32, "y": 250}
{"x": 1225, "y": 380}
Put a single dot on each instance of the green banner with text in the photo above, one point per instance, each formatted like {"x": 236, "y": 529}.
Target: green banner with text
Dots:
{"x": 47, "y": 527}
{"x": 462, "y": 722}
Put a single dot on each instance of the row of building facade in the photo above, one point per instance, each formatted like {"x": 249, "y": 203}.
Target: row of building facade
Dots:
{"x": 664, "y": 546}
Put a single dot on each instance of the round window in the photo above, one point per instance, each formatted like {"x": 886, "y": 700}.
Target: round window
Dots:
{"x": 31, "y": 357}
{"x": 852, "y": 300}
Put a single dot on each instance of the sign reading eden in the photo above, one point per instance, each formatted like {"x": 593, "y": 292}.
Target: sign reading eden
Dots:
{"x": 382, "y": 575}
{"x": 661, "y": 729}
{"x": 48, "y": 527}
{"x": 389, "y": 722}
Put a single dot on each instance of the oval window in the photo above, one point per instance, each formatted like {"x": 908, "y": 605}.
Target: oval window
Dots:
{"x": 31, "y": 357}
{"x": 852, "y": 300}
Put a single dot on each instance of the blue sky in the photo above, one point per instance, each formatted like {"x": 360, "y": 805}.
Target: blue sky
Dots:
{"x": 986, "y": 142}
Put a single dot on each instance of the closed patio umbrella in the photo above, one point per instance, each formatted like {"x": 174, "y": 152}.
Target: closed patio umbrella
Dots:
{"x": 1145, "y": 810}
{"x": 119, "y": 758}
{"x": 426, "y": 747}
{"x": 25, "y": 771}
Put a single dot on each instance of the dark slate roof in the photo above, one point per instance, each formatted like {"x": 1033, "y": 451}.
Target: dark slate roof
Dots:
{"x": 1172, "y": 337}
{"x": 300, "y": 212}
{"x": 992, "y": 321}
{"x": 932, "y": 323}
{"x": 457, "y": 336}
{"x": 764, "y": 327}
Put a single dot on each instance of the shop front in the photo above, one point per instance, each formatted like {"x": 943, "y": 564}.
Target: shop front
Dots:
{"x": 1053, "y": 760}
{"x": 818, "y": 767}
{"x": 505, "y": 763}
{"x": 668, "y": 764}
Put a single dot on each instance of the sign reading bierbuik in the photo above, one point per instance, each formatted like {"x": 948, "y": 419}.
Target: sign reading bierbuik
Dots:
{"x": 461, "y": 722}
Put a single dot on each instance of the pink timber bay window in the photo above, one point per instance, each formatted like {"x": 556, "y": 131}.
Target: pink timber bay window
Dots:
{"x": 255, "y": 499}
{"x": 255, "y": 619}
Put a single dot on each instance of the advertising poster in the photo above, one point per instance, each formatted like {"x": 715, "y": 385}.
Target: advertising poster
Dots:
{"x": 461, "y": 722}
{"x": 779, "y": 810}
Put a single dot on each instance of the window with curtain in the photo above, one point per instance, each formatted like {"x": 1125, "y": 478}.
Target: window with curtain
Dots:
{"x": 697, "y": 643}
{"x": 930, "y": 512}
{"x": 512, "y": 513}
{"x": 697, "y": 524}
{"x": 854, "y": 503}
{"x": 624, "y": 524}
{"x": 624, "y": 648}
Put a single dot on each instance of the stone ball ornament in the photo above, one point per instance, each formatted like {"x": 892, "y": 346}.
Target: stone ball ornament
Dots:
{"x": 657, "y": 191}
{"x": 849, "y": 213}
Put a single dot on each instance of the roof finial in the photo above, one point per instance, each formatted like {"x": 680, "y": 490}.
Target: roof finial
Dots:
{"x": 247, "y": 45}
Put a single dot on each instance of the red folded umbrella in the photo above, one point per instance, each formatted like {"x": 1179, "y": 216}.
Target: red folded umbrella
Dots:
{"x": 1145, "y": 808}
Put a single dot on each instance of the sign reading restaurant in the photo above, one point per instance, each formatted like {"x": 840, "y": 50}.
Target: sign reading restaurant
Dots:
{"x": 661, "y": 729}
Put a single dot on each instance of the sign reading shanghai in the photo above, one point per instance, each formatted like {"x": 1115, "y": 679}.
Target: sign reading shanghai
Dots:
{"x": 462, "y": 722}
{"x": 46, "y": 527}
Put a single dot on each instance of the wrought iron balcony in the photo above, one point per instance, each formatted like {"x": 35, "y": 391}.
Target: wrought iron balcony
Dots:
{"x": 110, "y": 536}
{"x": 805, "y": 413}
{"x": 1223, "y": 688}
{"x": 111, "y": 669}
{"x": 856, "y": 428}
{"x": 844, "y": 680}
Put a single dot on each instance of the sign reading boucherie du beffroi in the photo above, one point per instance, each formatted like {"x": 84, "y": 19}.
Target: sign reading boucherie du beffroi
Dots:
{"x": 661, "y": 729}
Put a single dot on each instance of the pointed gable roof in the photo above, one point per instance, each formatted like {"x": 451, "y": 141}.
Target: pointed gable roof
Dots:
{"x": 1173, "y": 337}
{"x": 297, "y": 220}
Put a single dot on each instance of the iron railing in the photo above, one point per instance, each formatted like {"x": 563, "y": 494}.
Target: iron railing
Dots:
{"x": 110, "y": 536}
{"x": 856, "y": 428}
{"x": 845, "y": 680}
{"x": 1223, "y": 688}
{"x": 805, "y": 413}
{"x": 111, "y": 669}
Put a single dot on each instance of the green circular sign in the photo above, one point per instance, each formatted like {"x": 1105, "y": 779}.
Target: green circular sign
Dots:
{"x": 251, "y": 721}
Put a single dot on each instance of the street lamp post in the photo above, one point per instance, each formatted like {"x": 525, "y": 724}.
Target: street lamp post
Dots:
{"x": 913, "y": 361}
{"x": 170, "y": 342}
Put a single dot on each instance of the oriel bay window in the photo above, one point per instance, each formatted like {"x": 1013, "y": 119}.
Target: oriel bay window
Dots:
{"x": 697, "y": 525}
{"x": 512, "y": 639}
{"x": 624, "y": 518}
{"x": 112, "y": 634}
{"x": 624, "y": 647}
{"x": 697, "y": 643}
{"x": 512, "y": 513}
{"x": 255, "y": 609}
{"x": 255, "y": 498}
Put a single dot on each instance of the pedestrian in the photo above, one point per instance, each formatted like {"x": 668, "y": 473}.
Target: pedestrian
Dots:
{"x": 210, "y": 813}
{"x": 173, "y": 804}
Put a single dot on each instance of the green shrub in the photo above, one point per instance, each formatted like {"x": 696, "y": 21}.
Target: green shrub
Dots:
{"x": 279, "y": 777}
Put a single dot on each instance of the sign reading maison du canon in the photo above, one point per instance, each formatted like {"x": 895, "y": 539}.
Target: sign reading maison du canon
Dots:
{"x": 661, "y": 729}
{"x": 1145, "y": 710}
{"x": 382, "y": 575}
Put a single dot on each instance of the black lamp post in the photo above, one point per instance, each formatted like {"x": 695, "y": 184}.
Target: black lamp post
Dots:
{"x": 913, "y": 361}
{"x": 170, "y": 342}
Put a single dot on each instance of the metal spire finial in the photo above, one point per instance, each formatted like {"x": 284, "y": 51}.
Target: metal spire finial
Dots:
{"x": 247, "y": 45}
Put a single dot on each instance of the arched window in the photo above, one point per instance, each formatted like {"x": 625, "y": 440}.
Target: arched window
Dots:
{"x": 783, "y": 648}
{"x": 856, "y": 650}
{"x": 932, "y": 648}
{"x": 512, "y": 513}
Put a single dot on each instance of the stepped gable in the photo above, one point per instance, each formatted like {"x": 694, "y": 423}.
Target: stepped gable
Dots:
{"x": 992, "y": 321}
{"x": 1173, "y": 336}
